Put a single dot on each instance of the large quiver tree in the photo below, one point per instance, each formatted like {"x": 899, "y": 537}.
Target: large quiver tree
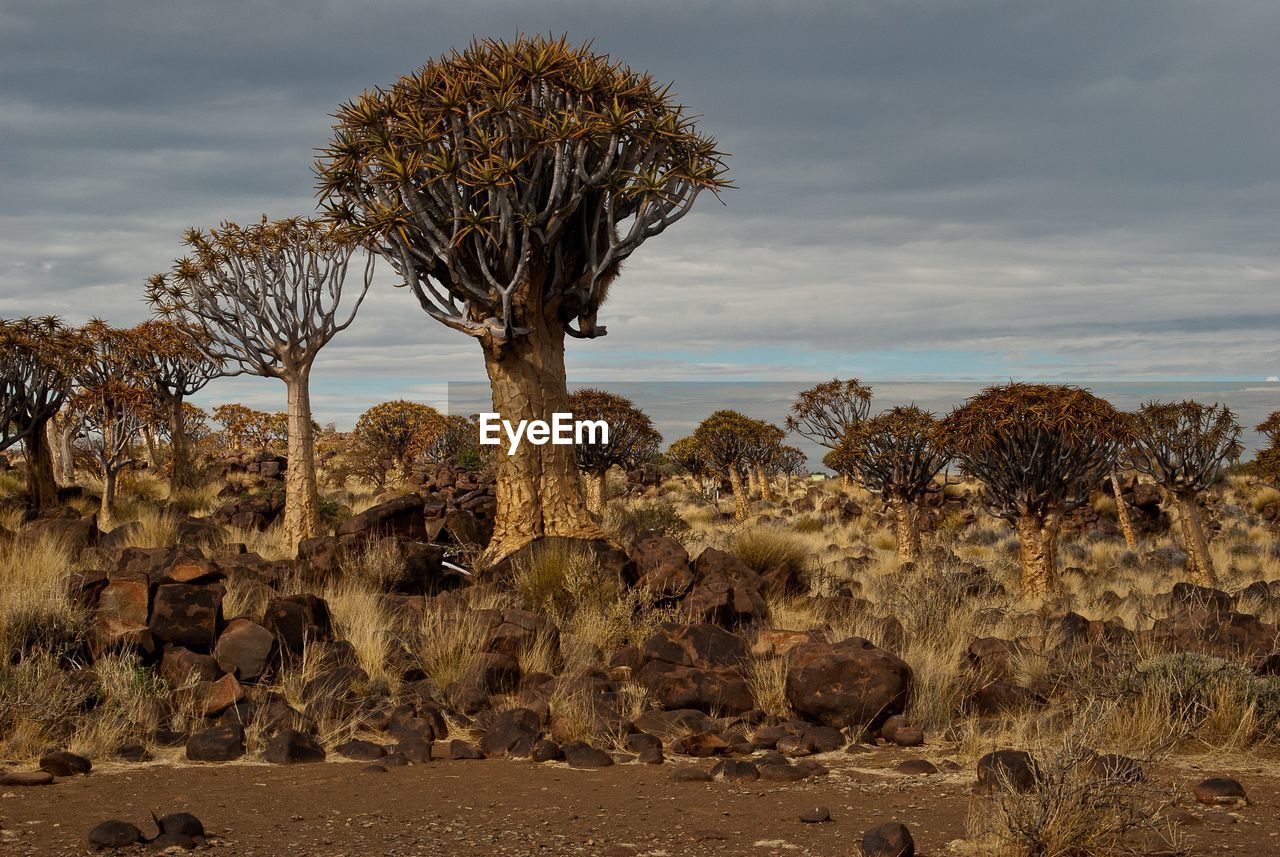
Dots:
{"x": 826, "y": 412}
{"x": 266, "y": 298}
{"x": 507, "y": 183}
{"x": 1039, "y": 449}
{"x": 897, "y": 456}
{"x": 38, "y": 361}
{"x": 632, "y": 439}
{"x": 169, "y": 358}
{"x": 726, "y": 440}
{"x": 1185, "y": 447}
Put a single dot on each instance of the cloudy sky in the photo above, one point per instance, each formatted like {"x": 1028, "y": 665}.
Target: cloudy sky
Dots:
{"x": 928, "y": 189}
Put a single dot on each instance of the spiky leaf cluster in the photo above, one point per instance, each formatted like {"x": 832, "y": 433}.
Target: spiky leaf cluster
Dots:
{"x": 632, "y": 437}
{"x": 171, "y": 356}
{"x": 265, "y": 297}
{"x": 38, "y": 361}
{"x": 511, "y": 177}
{"x": 1267, "y": 465}
{"x": 688, "y": 456}
{"x": 826, "y": 412}
{"x": 790, "y": 461}
{"x": 1039, "y": 448}
{"x": 113, "y": 397}
{"x": 895, "y": 454}
{"x": 1184, "y": 446}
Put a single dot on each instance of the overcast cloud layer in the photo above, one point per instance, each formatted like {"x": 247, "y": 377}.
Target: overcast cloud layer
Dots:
{"x": 933, "y": 189}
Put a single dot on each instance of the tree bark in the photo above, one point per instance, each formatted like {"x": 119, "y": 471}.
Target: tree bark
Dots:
{"x": 762, "y": 480}
{"x": 596, "y": 493}
{"x": 59, "y": 453}
{"x": 1038, "y": 548}
{"x": 42, "y": 486}
{"x": 753, "y": 488}
{"x": 741, "y": 505}
{"x": 107, "y": 507}
{"x": 153, "y": 450}
{"x": 301, "y": 498}
{"x": 1199, "y": 561}
{"x": 181, "y": 473}
{"x": 906, "y": 528}
{"x": 539, "y": 492}
{"x": 1122, "y": 513}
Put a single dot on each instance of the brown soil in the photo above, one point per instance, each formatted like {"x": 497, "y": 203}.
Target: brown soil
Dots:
{"x": 495, "y": 808}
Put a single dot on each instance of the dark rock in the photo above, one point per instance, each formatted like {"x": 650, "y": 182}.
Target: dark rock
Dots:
{"x": 1014, "y": 770}
{"x": 689, "y": 774}
{"x": 219, "y": 744}
{"x": 851, "y": 683}
{"x": 416, "y": 750}
{"x": 113, "y": 834}
{"x": 181, "y": 824}
{"x": 291, "y": 747}
{"x": 244, "y": 649}
{"x": 62, "y": 763}
{"x": 917, "y": 767}
{"x": 580, "y": 755}
{"x": 546, "y": 750}
{"x": 187, "y": 615}
{"x": 651, "y": 756}
{"x": 816, "y": 815}
{"x": 462, "y": 750}
{"x": 890, "y": 839}
{"x": 26, "y": 778}
{"x": 295, "y": 620}
{"x": 360, "y": 751}
{"x": 513, "y": 733}
{"x": 1220, "y": 791}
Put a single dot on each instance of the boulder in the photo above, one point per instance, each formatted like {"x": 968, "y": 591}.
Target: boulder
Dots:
{"x": 512, "y": 733}
{"x": 291, "y": 747}
{"x": 1013, "y": 770}
{"x": 218, "y": 744}
{"x": 1220, "y": 791}
{"x": 847, "y": 684}
{"x": 62, "y": 763}
{"x": 400, "y": 517}
{"x": 890, "y": 839}
{"x": 295, "y": 620}
{"x": 187, "y": 615}
{"x": 244, "y": 649}
{"x": 113, "y": 834}
{"x": 726, "y": 591}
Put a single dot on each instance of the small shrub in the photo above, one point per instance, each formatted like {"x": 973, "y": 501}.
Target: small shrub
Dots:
{"x": 656, "y": 517}
{"x": 561, "y": 579}
{"x": 808, "y": 524}
{"x": 763, "y": 548}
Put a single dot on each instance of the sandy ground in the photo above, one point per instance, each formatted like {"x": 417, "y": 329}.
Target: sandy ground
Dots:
{"x": 499, "y": 807}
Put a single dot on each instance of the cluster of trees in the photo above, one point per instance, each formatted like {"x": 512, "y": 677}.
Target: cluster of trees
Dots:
{"x": 1038, "y": 450}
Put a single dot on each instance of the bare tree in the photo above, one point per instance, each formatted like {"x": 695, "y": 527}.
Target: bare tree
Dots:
{"x": 266, "y": 298}
{"x": 38, "y": 361}
{"x": 824, "y": 413}
{"x": 1185, "y": 447}
{"x": 1039, "y": 449}
{"x": 507, "y": 183}
{"x": 170, "y": 358}
{"x": 632, "y": 439}
{"x": 896, "y": 455}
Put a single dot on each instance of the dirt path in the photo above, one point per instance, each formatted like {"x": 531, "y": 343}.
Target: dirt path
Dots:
{"x": 496, "y": 808}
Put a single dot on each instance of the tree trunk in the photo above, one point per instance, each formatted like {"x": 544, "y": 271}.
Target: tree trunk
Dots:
{"x": 596, "y": 493}
{"x": 753, "y": 488}
{"x": 762, "y": 480}
{"x": 42, "y": 487}
{"x": 1199, "y": 561}
{"x": 181, "y": 472}
{"x": 301, "y": 499}
{"x": 1122, "y": 513}
{"x": 539, "y": 492}
{"x": 1038, "y": 546}
{"x": 906, "y": 528}
{"x": 741, "y": 506}
{"x": 53, "y": 437}
{"x": 107, "y": 508}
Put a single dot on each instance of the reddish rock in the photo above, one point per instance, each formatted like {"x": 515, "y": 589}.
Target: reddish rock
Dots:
{"x": 851, "y": 683}
{"x": 210, "y": 698}
{"x": 244, "y": 649}
{"x": 187, "y": 615}
{"x": 180, "y": 666}
{"x": 295, "y": 620}
{"x": 890, "y": 839}
{"x": 1220, "y": 791}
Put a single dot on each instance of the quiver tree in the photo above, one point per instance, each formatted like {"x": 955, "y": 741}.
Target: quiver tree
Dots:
{"x": 632, "y": 439}
{"x": 246, "y": 428}
{"x": 1186, "y": 447}
{"x": 726, "y": 440}
{"x": 399, "y": 431}
{"x": 688, "y": 456}
{"x": 38, "y": 361}
{"x": 824, "y": 413}
{"x": 507, "y": 184}
{"x": 1039, "y": 449}
{"x": 170, "y": 358}
{"x": 791, "y": 462}
{"x": 266, "y": 298}
{"x": 1266, "y": 467}
{"x": 458, "y": 442}
{"x": 114, "y": 404}
{"x": 897, "y": 456}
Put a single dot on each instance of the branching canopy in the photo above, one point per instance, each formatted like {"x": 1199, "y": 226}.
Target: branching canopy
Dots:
{"x": 728, "y": 439}
{"x": 401, "y": 430}
{"x": 169, "y": 356}
{"x": 1184, "y": 446}
{"x": 38, "y": 361}
{"x": 1267, "y": 464}
{"x": 1039, "y": 448}
{"x": 513, "y": 178}
{"x": 687, "y": 455}
{"x": 265, "y": 297}
{"x": 825, "y": 413}
{"x": 632, "y": 437}
{"x": 896, "y": 454}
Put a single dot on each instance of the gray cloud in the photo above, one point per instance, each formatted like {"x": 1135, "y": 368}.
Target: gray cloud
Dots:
{"x": 966, "y": 189}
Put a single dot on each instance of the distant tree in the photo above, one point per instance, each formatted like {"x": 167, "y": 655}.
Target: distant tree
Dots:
{"x": 170, "y": 358}
{"x": 791, "y": 462}
{"x": 38, "y": 361}
{"x": 507, "y": 183}
{"x": 825, "y": 413}
{"x": 1039, "y": 449}
{"x": 688, "y": 456}
{"x": 399, "y": 431}
{"x": 458, "y": 443}
{"x": 1267, "y": 464}
{"x": 896, "y": 455}
{"x": 632, "y": 439}
{"x": 761, "y": 457}
{"x": 247, "y": 428}
{"x": 726, "y": 440}
{"x": 1186, "y": 447}
{"x": 266, "y": 298}
{"x": 114, "y": 403}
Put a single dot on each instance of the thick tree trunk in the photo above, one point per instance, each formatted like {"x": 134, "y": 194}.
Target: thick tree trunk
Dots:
{"x": 596, "y": 492}
{"x": 153, "y": 449}
{"x": 741, "y": 505}
{"x": 107, "y": 507}
{"x": 301, "y": 498}
{"x": 539, "y": 492}
{"x": 63, "y": 472}
{"x": 1122, "y": 513}
{"x": 907, "y": 529}
{"x": 753, "y": 488}
{"x": 181, "y": 472}
{"x": 1199, "y": 561}
{"x": 762, "y": 480}
{"x": 1038, "y": 547}
{"x": 42, "y": 487}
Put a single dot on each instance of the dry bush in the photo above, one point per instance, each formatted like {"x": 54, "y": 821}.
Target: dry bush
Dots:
{"x": 765, "y": 547}
{"x": 199, "y": 500}
{"x": 376, "y": 564}
{"x": 630, "y": 522}
{"x": 361, "y": 618}
{"x": 151, "y": 527}
{"x": 767, "y": 679}
{"x": 446, "y": 643}
{"x": 561, "y": 579}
